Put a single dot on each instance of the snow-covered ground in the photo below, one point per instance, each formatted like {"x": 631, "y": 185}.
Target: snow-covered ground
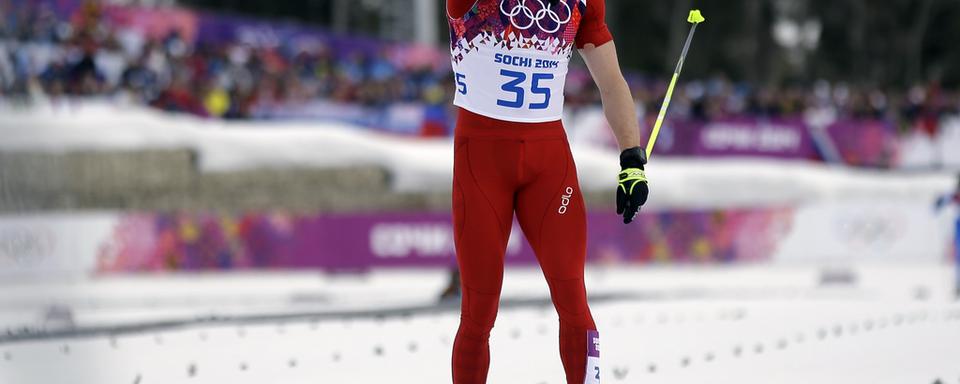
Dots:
{"x": 790, "y": 321}
{"x": 749, "y": 324}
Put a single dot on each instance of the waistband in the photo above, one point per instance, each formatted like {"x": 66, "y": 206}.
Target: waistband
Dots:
{"x": 470, "y": 124}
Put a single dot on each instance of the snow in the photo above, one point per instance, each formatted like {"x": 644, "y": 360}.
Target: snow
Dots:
{"x": 747, "y": 324}
{"x": 426, "y": 164}
{"x": 642, "y": 343}
{"x": 892, "y": 322}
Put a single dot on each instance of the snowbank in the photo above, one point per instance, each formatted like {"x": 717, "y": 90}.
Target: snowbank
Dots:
{"x": 426, "y": 164}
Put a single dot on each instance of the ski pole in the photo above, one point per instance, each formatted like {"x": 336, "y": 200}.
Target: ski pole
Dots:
{"x": 695, "y": 18}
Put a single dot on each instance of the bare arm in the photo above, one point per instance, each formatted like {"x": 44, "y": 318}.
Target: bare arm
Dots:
{"x": 458, "y": 8}
{"x": 618, "y": 104}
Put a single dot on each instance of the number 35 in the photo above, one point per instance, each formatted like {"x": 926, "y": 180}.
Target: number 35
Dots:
{"x": 514, "y": 87}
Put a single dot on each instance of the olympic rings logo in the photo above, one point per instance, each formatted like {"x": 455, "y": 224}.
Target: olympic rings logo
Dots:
{"x": 536, "y": 17}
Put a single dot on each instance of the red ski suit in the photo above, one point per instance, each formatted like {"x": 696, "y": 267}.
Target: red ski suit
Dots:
{"x": 502, "y": 168}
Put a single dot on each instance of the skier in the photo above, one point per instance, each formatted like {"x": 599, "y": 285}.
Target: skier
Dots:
{"x": 511, "y": 156}
{"x": 942, "y": 203}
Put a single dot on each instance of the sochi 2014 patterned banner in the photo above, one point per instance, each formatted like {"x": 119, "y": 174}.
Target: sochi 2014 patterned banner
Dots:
{"x": 190, "y": 242}
{"x": 745, "y": 136}
{"x": 865, "y": 143}
{"x": 870, "y": 143}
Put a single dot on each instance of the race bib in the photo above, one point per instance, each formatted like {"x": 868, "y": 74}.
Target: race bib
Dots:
{"x": 593, "y": 358}
{"x": 522, "y": 86}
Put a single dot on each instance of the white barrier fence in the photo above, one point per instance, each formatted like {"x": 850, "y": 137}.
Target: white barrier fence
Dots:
{"x": 53, "y": 246}
{"x": 839, "y": 233}
{"x": 920, "y": 151}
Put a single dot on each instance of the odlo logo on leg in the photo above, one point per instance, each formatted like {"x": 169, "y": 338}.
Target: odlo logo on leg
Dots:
{"x": 565, "y": 200}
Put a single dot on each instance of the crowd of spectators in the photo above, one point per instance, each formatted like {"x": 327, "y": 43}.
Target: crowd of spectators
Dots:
{"x": 920, "y": 107}
{"x": 86, "y": 56}
{"x": 44, "y": 56}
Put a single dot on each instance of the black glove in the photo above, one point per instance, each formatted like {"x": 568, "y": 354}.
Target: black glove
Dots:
{"x": 633, "y": 190}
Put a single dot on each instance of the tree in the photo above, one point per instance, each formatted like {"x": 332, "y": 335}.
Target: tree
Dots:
{"x": 891, "y": 43}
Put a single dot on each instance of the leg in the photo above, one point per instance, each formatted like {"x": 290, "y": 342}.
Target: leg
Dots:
{"x": 483, "y": 216}
{"x": 551, "y": 212}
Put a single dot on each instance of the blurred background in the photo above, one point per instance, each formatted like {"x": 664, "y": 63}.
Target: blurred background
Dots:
{"x": 259, "y": 192}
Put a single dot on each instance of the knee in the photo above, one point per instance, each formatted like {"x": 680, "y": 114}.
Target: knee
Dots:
{"x": 570, "y": 299}
{"x": 479, "y": 310}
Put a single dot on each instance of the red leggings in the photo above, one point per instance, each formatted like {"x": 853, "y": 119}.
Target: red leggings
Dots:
{"x": 501, "y": 168}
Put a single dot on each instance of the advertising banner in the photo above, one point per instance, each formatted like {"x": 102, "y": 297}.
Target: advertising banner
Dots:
{"x": 787, "y": 139}
{"x": 219, "y": 29}
{"x": 80, "y": 245}
{"x": 155, "y": 23}
{"x": 745, "y": 137}
{"x": 176, "y": 242}
{"x": 867, "y": 143}
{"x": 63, "y": 9}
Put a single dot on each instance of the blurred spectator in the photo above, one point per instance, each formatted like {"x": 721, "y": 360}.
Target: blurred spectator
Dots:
{"x": 140, "y": 80}
{"x": 943, "y": 202}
